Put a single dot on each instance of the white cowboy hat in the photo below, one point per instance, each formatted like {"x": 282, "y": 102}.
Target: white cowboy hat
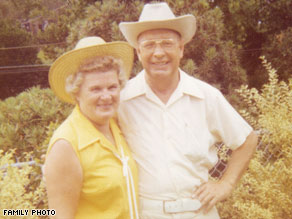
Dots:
{"x": 86, "y": 48}
{"x": 159, "y": 16}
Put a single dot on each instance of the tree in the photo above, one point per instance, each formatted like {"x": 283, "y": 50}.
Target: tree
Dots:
{"x": 251, "y": 25}
{"x": 265, "y": 190}
{"x": 12, "y": 35}
{"x": 215, "y": 59}
{"x": 207, "y": 56}
{"x": 278, "y": 50}
{"x": 60, "y": 23}
{"x": 14, "y": 15}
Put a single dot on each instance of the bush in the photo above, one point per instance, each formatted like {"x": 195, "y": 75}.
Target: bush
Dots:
{"x": 24, "y": 120}
{"x": 265, "y": 191}
{"x": 16, "y": 191}
{"x": 27, "y": 122}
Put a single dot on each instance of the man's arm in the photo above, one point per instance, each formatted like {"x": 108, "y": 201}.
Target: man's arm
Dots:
{"x": 210, "y": 193}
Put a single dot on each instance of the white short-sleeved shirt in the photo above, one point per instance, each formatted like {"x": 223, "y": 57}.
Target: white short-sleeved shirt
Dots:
{"x": 173, "y": 143}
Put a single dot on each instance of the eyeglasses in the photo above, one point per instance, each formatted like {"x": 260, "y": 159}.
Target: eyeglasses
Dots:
{"x": 165, "y": 44}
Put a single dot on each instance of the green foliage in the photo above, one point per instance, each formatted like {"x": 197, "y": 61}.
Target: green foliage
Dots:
{"x": 207, "y": 56}
{"x": 57, "y": 31}
{"x": 278, "y": 50}
{"x": 270, "y": 110}
{"x": 28, "y": 120}
{"x": 256, "y": 27}
{"x": 225, "y": 28}
{"x": 102, "y": 19}
{"x": 23, "y": 120}
{"x": 265, "y": 191}
{"x": 12, "y": 35}
{"x": 216, "y": 60}
{"x": 27, "y": 123}
{"x": 242, "y": 18}
{"x": 16, "y": 191}
{"x": 17, "y": 9}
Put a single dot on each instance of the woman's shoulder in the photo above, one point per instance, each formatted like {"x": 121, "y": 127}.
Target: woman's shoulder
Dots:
{"x": 65, "y": 132}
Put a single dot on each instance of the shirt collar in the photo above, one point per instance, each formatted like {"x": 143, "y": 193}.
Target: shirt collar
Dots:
{"x": 137, "y": 86}
{"x": 134, "y": 87}
{"x": 87, "y": 133}
{"x": 189, "y": 85}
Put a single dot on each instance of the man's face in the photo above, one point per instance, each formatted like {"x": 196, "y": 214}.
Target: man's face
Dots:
{"x": 160, "y": 52}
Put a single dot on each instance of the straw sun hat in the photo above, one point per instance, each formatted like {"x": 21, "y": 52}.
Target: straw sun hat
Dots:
{"x": 159, "y": 16}
{"x": 86, "y": 48}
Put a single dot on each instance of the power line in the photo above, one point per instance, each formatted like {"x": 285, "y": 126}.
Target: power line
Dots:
{"x": 31, "y": 46}
{"x": 250, "y": 50}
{"x": 23, "y": 66}
{"x": 60, "y": 43}
{"x": 4, "y": 70}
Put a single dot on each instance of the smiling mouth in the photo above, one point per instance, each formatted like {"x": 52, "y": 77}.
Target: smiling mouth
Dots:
{"x": 105, "y": 106}
{"x": 160, "y": 64}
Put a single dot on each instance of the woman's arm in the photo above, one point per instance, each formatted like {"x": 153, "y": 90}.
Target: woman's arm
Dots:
{"x": 63, "y": 174}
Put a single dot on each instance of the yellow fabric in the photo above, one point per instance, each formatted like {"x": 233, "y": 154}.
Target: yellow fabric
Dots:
{"x": 104, "y": 191}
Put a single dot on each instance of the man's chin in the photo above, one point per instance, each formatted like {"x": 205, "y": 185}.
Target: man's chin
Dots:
{"x": 160, "y": 72}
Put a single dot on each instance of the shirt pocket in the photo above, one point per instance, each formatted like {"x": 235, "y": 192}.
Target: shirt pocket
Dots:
{"x": 194, "y": 148}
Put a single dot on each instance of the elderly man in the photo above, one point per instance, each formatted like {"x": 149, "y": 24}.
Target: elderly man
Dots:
{"x": 172, "y": 120}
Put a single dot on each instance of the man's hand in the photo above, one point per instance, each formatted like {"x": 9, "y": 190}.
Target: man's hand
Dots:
{"x": 210, "y": 193}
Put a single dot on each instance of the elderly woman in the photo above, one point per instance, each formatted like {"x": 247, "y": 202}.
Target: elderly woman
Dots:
{"x": 90, "y": 172}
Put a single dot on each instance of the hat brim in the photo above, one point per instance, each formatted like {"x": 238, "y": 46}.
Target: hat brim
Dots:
{"x": 70, "y": 62}
{"x": 185, "y": 25}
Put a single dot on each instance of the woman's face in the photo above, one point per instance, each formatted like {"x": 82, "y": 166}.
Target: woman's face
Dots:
{"x": 99, "y": 95}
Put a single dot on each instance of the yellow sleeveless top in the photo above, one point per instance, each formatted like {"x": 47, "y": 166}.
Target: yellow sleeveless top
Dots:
{"x": 110, "y": 180}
